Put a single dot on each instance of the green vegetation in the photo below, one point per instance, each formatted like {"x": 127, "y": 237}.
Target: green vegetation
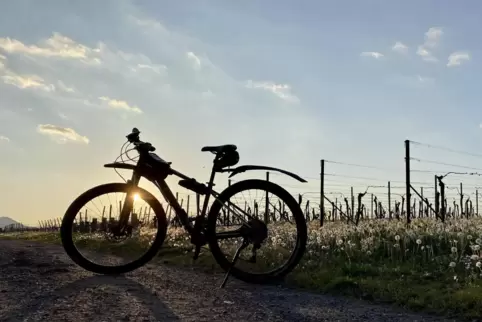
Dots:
{"x": 429, "y": 266}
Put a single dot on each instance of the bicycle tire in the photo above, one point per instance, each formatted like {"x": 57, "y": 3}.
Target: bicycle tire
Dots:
{"x": 84, "y": 198}
{"x": 291, "y": 203}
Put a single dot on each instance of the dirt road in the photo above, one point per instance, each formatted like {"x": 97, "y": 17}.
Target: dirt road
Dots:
{"x": 38, "y": 282}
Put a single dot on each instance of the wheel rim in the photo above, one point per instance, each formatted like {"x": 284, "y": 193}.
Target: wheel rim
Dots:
{"x": 96, "y": 241}
{"x": 282, "y": 242}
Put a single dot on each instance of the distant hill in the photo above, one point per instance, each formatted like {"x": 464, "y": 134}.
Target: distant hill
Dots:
{"x": 5, "y": 221}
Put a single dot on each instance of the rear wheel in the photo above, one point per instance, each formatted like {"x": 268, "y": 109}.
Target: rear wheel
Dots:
{"x": 89, "y": 225}
{"x": 277, "y": 234}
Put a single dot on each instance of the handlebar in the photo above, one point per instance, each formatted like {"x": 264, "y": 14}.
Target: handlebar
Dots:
{"x": 133, "y": 138}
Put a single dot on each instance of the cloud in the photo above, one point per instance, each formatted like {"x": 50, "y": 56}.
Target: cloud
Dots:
{"x": 400, "y": 47}
{"x": 373, "y": 54}
{"x": 432, "y": 37}
{"x": 61, "y": 134}
{"x": 158, "y": 69}
{"x": 283, "y": 91}
{"x": 195, "y": 61}
{"x": 426, "y": 55}
{"x": 57, "y": 46}
{"x": 124, "y": 81}
{"x": 4, "y": 139}
{"x": 99, "y": 56}
{"x": 119, "y": 104}
{"x": 149, "y": 23}
{"x": 63, "y": 116}
{"x": 412, "y": 81}
{"x": 30, "y": 81}
{"x": 65, "y": 88}
{"x": 422, "y": 79}
{"x": 456, "y": 58}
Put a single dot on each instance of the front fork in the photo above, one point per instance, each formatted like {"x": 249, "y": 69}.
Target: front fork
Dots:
{"x": 128, "y": 203}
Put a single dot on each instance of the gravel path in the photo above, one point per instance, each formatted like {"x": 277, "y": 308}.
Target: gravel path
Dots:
{"x": 38, "y": 282}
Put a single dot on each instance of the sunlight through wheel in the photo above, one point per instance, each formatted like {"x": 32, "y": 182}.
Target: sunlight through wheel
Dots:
{"x": 96, "y": 239}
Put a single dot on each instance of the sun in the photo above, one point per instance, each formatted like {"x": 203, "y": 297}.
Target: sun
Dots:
{"x": 136, "y": 197}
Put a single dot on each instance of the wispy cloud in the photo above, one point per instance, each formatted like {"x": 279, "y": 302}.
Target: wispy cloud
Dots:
{"x": 65, "y": 88}
{"x": 61, "y": 134}
{"x": 2, "y": 59}
{"x": 426, "y": 55}
{"x": 158, "y": 69}
{"x": 149, "y": 23}
{"x": 423, "y": 79}
{"x": 57, "y": 46}
{"x": 120, "y": 104}
{"x": 431, "y": 40}
{"x": 283, "y": 91}
{"x": 432, "y": 37}
{"x": 30, "y": 81}
{"x": 400, "y": 47}
{"x": 457, "y": 58}
{"x": 3, "y": 138}
{"x": 195, "y": 61}
{"x": 412, "y": 81}
{"x": 373, "y": 54}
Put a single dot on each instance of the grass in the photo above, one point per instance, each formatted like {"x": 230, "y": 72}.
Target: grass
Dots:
{"x": 429, "y": 266}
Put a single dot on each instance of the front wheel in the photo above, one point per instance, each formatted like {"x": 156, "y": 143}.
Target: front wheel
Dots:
{"x": 269, "y": 218}
{"x": 90, "y": 226}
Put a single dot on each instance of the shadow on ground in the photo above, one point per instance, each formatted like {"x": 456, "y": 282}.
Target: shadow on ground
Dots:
{"x": 159, "y": 311}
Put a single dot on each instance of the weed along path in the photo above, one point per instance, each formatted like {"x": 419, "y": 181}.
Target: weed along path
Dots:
{"x": 38, "y": 282}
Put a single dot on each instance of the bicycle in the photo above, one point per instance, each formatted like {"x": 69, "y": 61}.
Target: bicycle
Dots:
{"x": 149, "y": 165}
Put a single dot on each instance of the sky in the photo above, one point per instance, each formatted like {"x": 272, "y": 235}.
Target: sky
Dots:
{"x": 288, "y": 82}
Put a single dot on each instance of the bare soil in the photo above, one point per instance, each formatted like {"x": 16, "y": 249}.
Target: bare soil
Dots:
{"x": 38, "y": 282}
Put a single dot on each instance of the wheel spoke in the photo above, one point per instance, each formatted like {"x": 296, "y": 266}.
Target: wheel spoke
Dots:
{"x": 240, "y": 216}
{"x": 277, "y": 245}
{"x": 95, "y": 239}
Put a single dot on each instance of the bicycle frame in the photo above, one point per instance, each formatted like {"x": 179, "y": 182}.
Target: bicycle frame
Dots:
{"x": 157, "y": 175}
